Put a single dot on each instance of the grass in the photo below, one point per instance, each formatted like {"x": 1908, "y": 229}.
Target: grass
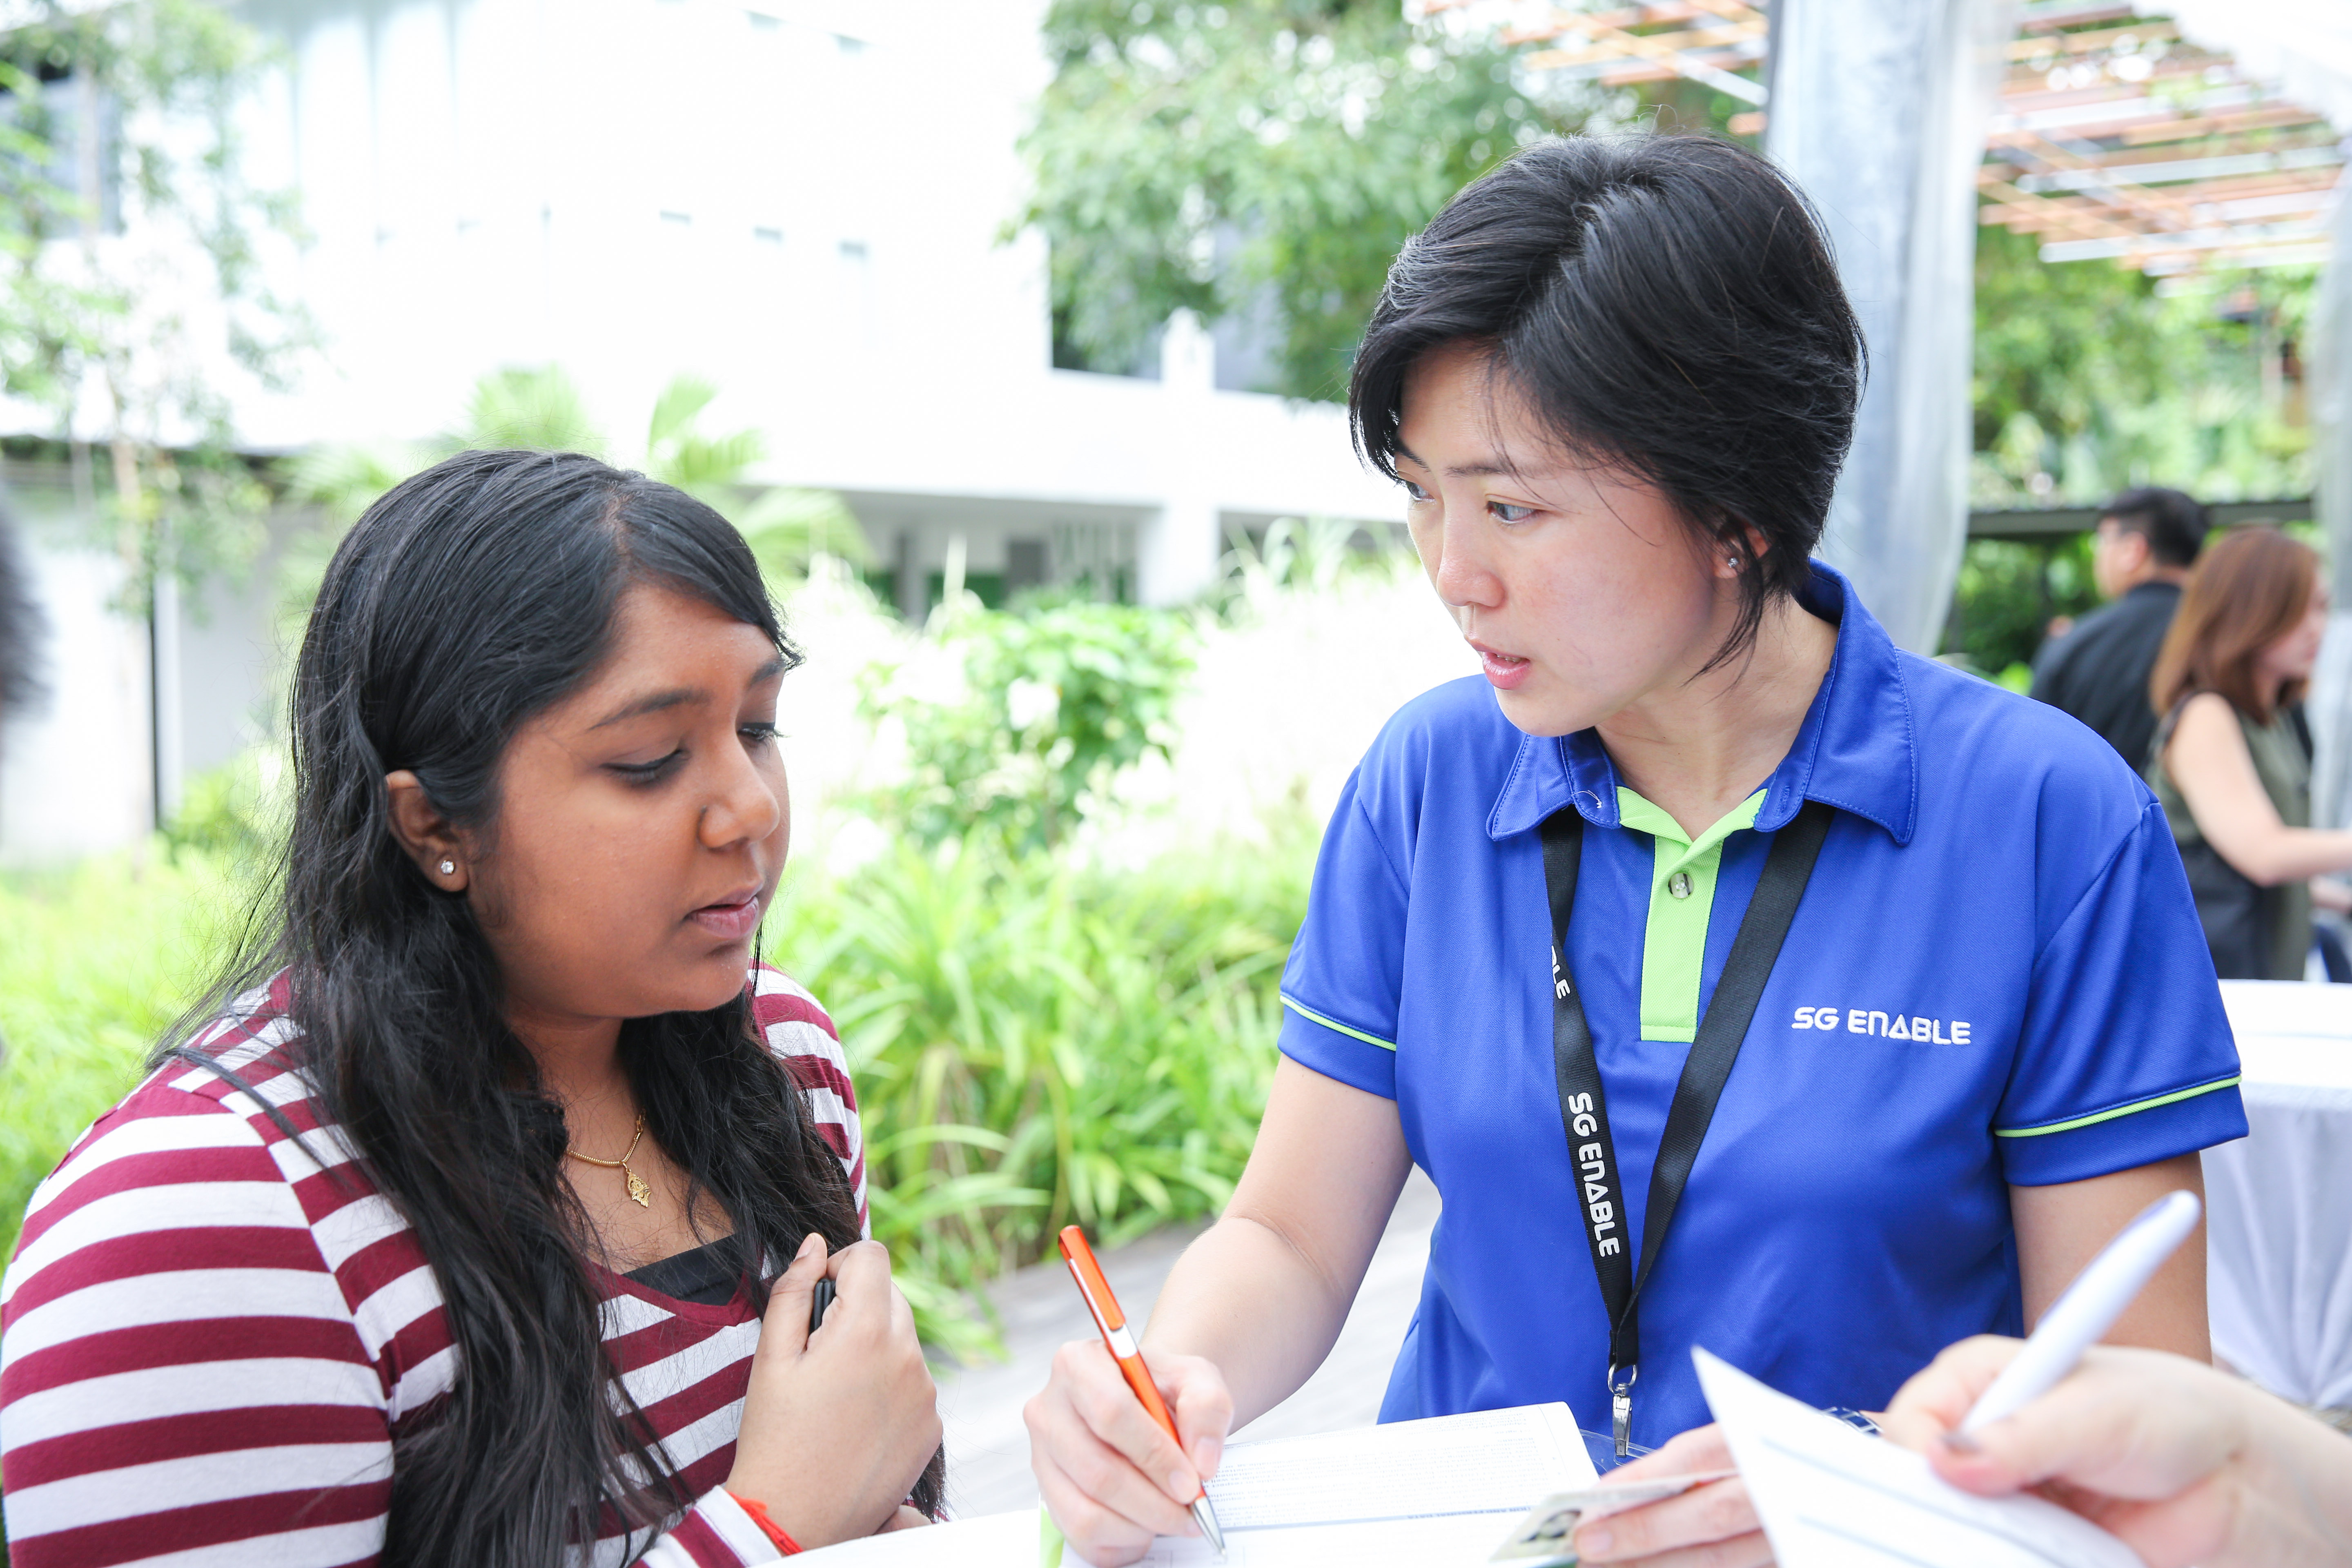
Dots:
{"x": 1034, "y": 1043}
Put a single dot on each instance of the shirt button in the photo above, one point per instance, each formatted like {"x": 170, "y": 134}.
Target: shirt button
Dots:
{"x": 1679, "y": 884}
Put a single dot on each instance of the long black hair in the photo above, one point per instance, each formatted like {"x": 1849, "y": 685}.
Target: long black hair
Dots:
{"x": 467, "y": 599}
{"x": 1667, "y": 304}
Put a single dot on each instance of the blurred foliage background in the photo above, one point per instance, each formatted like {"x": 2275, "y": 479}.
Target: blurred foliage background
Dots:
{"x": 2092, "y": 379}
{"x": 1043, "y": 1030}
{"x": 1256, "y": 159}
{"x": 1045, "y": 1023}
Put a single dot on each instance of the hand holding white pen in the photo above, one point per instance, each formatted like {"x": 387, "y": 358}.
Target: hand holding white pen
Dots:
{"x": 2089, "y": 1308}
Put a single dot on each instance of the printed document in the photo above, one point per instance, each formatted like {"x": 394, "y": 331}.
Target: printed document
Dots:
{"x": 1441, "y": 1493}
{"x": 1833, "y": 1497}
{"x": 1435, "y": 1492}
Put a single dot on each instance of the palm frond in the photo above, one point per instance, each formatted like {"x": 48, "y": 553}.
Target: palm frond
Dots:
{"x": 786, "y": 528}
{"x": 678, "y": 407}
{"x": 343, "y": 479}
{"x": 539, "y": 410}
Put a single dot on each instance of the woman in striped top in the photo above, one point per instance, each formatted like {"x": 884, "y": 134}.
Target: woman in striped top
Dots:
{"x": 479, "y": 1222}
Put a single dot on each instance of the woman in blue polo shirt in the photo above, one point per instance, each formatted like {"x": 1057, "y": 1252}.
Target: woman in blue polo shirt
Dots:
{"x": 1882, "y": 1002}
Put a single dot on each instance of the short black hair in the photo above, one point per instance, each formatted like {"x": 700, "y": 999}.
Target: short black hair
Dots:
{"x": 2173, "y": 524}
{"x": 1668, "y": 303}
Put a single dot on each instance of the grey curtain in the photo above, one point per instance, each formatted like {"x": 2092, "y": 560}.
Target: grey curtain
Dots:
{"x": 1878, "y": 109}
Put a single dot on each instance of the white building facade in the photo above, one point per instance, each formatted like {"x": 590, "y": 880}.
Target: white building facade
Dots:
{"x": 813, "y": 203}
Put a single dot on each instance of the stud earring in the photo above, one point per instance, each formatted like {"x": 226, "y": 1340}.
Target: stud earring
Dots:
{"x": 449, "y": 867}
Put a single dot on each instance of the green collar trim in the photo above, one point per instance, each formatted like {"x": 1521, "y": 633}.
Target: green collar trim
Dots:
{"x": 1682, "y": 900}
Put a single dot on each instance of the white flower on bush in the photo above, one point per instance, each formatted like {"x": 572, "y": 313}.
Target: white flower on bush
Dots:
{"x": 1030, "y": 703}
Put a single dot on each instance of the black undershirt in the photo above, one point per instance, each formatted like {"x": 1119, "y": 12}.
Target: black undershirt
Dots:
{"x": 707, "y": 1275}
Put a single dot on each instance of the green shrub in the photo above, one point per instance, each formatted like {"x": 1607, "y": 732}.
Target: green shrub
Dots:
{"x": 1035, "y": 1046}
{"x": 1040, "y": 710}
{"x": 95, "y": 964}
{"x": 2008, "y": 592}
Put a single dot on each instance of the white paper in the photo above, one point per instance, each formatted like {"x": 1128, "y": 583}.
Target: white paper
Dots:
{"x": 1833, "y": 1496}
{"x": 988, "y": 1540}
{"x": 1436, "y": 1492}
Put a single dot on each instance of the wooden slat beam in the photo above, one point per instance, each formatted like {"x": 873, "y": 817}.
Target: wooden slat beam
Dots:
{"x": 1659, "y": 16}
{"x": 2024, "y": 209}
{"x": 2088, "y": 43}
{"x": 1613, "y": 44}
{"x": 2268, "y": 118}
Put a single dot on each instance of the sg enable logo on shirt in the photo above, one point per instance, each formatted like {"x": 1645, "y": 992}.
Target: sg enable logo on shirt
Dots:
{"x": 1894, "y": 1027}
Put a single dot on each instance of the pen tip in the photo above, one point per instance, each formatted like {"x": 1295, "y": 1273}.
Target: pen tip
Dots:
{"x": 1207, "y": 1520}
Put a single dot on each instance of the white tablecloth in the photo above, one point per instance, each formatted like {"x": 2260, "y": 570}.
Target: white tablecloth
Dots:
{"x": 2279, "y": 1201}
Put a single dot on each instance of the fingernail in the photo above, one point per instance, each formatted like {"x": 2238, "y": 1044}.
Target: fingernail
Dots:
{"x": 1959, "y": 1442}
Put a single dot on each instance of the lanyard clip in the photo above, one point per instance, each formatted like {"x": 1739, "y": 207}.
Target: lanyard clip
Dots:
{"x": 1620, "y": 1408}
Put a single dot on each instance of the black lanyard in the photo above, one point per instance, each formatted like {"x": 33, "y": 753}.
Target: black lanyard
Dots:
{"x": 1584, "y": 1109}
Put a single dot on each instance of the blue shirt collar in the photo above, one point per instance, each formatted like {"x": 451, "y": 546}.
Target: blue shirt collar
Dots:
{"x": 1857, "y": 750}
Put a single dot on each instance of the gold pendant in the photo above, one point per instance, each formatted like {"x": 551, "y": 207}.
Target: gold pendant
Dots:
{"x": 643, "y": 1194}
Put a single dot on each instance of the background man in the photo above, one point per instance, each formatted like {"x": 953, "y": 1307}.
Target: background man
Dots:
{"x": 2147, "y": 540}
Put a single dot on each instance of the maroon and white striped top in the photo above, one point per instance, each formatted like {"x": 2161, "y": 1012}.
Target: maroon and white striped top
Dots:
{"x": 205, "y": 1338}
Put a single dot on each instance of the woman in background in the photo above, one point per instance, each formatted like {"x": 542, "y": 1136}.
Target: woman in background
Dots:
{"x": 2230, "y": 764}
{"x": 480, "y": 1224}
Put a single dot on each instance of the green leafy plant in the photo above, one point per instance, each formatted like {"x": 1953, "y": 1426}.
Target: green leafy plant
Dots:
{"x": 96, "y": 962}
{"x": 2009, "y": 592}
{"x": 2091, "y": 379}
{"x": 1035, "y": 1045}
{"x": 1262, "y": 159}
{"x": 1014, "y": 721}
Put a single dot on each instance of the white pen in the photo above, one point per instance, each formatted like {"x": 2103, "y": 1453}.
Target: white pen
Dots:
{"x": 2089, "y": 1308}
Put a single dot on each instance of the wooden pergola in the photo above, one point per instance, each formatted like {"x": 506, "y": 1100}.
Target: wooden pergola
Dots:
{"x": 2114, "y": 139}
{"x": 2118, "y": 140}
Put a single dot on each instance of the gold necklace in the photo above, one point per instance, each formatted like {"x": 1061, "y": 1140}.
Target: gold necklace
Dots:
{"x": 643, "y": 1194}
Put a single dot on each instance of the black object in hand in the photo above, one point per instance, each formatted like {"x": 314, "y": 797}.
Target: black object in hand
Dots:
{"x": 819, "y": 1299}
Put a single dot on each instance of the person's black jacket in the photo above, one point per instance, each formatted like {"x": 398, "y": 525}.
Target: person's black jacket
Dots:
{"x": 2098, "y": 672}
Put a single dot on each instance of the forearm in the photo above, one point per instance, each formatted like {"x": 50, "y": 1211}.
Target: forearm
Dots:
{"x": 2060, "y": 1228}
{"x": 2283, "y": 854}
{"x": 1248, "y": 1299}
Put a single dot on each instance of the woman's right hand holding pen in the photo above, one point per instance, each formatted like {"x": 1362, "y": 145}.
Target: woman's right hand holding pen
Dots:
{"x": 1107, "y": 1473}
{"x": 2185, "y": 1463}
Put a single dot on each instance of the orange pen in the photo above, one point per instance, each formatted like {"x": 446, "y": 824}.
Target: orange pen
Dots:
{"x": 1113, "y": 1324}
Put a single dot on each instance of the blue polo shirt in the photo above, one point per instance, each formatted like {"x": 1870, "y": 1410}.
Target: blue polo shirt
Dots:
{"x": 1996, "y": 976}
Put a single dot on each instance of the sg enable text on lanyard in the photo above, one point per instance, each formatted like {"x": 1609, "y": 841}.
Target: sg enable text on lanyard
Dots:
{"x": 1584, "y": 1108}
